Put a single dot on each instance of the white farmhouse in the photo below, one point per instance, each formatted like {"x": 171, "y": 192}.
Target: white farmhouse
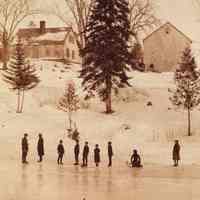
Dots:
{"x": 57, "y": 43}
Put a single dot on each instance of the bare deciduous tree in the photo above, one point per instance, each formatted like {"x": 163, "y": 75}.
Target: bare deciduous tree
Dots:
{"x": 75, "y": 16}
{"x": 142, "y": 17}
{"x": 12, "y": 13}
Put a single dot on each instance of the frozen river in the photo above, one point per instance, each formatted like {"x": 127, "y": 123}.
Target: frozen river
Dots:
{"x": 48, "y": 181}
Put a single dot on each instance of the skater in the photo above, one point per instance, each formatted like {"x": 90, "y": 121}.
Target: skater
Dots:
{"x": 85, "y": 155}
{"x": 135, "y": 159}
{"x": 176, "y": 153}
{"x": 110, "y": 154}
{"x": 61, "y": 152}
{"x": 40, "y": 147}
{"x": 24, "y": 148}
{"x": 97, "y": 155}
{"x": 76, "y": 152}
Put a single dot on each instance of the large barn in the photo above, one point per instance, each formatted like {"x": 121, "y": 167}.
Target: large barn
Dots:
{"x": 163, "y": 48}
{"x": 56, "y": 43}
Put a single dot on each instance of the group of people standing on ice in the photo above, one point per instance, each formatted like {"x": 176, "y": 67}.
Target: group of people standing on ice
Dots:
{"x": 135, "y": 157}
{"x": 61, "y": 152}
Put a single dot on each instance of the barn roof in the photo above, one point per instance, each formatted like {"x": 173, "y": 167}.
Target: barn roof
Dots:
{"x": 168, "y": 24}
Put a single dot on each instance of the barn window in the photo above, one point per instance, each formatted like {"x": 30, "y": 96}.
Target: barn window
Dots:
{"x": 67, "y": 53}
{"x": 73, "y": 54}
{"x": 167, "y": 30}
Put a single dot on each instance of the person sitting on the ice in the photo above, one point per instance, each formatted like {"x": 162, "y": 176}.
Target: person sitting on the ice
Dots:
{"x": 135, "y": 159}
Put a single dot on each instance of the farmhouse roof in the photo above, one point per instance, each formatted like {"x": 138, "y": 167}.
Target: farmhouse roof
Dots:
{"x": 36, "y": 32}
{"x": 58, "y": 36}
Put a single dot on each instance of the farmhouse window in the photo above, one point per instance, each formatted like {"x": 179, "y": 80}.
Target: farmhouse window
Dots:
{"x": 67, "y": 53}
{"x": 57, "y": 53}
{"x": 47, "y": 52}
{"x": 73, "y": 54}
{"x": 71, "y": 39}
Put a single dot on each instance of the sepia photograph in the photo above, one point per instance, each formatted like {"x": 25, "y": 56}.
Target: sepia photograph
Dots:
{"x": 99, "y": 99}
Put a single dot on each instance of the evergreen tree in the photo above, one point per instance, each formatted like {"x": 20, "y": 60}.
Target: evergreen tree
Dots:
{"x": 69, "y": 102}
{"x": 106, "y": 53}
{"x": 137, "y": 51}
{"x": 187, "y": 80}
{"x": 137, "y": 57}
{"x": 20, "y": 74}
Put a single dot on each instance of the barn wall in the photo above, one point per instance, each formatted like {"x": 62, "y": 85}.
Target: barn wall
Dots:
{"x": 163, "y": 49}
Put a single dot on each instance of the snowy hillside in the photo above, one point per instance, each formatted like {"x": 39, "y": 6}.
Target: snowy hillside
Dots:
{"x": 151, "y": 129}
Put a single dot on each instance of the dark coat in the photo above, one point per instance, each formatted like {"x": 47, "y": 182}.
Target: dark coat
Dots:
{"x": 60, "y": 149}
{"x": 135, "y": 159}
{"x": 110, "y": 151}
{"x": 96, "y": 155}
{"x": 176, "y": 152}
{"x": 85, "y": 151}
{"x": 24, "y": 145}
{"x": 40, "y": 146}
{"x": 76, "y": 149}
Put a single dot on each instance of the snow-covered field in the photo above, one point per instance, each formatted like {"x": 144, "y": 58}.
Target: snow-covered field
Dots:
{"x": 150, "y": 129}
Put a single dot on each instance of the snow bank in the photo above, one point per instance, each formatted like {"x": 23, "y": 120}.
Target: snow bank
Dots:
{"x": 151, "y": 129}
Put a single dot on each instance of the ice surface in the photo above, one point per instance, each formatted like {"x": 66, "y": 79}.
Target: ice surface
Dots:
{"x": 52, "y": 182}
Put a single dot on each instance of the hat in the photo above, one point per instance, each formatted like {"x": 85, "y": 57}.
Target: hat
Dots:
{"x": 25, "y": 134}
{"x": 134, "y": 150}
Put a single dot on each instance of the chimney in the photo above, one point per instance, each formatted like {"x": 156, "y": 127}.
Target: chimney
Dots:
{"x": 42, "y": 27}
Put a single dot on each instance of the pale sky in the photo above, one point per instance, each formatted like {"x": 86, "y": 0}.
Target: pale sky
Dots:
{"x": 182, "y": 13}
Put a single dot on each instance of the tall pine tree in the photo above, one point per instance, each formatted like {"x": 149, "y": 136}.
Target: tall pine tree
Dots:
{"x": 106, "y": 53}
{"x": 20, "y": 74}
{"x": 187, "y": 80}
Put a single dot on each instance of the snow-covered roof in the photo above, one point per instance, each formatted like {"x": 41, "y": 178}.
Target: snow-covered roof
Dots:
{"x": 57, "y": 37}
{"x": 36, "y": 32}
{"x": 163, "y": 25}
